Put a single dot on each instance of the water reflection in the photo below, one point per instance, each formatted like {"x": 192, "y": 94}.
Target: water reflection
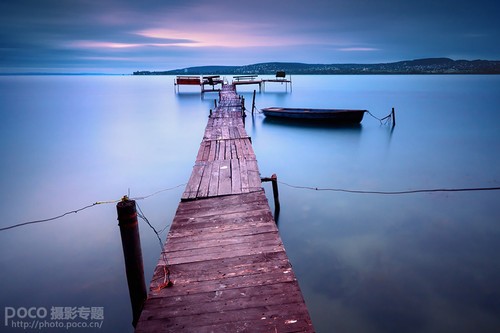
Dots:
{"x": 310, "y": 124}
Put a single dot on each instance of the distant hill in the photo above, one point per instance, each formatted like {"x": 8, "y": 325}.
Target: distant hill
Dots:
{"x": 418, "y": 66}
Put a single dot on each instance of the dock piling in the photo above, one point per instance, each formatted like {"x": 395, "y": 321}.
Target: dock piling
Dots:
{"x": 274, "y": 180}
{"x": 253, "y": 101}
{"x": 132, "y": 253}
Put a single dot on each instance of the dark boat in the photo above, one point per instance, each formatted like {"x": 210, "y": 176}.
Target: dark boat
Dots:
{"x": 344, "y": 116}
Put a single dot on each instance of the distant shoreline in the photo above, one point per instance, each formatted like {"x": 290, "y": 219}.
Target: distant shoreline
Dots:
{"x": 409, "y": 67}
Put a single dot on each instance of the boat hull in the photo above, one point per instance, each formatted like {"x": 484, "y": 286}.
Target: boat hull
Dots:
{"x": 331, "y": 115}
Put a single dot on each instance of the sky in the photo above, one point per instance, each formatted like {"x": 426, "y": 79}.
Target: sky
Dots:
{"x": 112, "y": 36}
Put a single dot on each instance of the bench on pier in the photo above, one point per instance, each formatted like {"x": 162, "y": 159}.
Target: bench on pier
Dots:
{"x": 245, "y": 77}
{"x": 280, "y": 75}
{"x": 188, "y": 80}
{"x": 212, "y": 80}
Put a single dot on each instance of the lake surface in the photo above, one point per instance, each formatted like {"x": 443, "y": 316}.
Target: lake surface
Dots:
{"x": 424, "y": 262}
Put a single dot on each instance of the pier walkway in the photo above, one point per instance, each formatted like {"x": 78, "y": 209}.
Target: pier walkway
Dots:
{"x": 225, "y": 256}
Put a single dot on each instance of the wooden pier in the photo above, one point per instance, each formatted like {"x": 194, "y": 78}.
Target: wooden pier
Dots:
{"x": 224, "y": 253}
{"x": 211, "y": 81}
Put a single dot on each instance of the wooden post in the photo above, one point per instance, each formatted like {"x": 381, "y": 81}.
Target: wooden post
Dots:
{"x": 253, "y": 101}
{"x": 131, "y": 243}
{"x": 393, "y": 115}
{"x": 274, "y": 181}
{"x": 243, "y": 103}
{"x": 210, "y": 113}
{"x": 215, "y": 103}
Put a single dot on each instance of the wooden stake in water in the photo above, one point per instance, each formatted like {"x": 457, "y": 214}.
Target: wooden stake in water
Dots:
{"x": 253, "y": 101}
{"x": 132, "y": 253}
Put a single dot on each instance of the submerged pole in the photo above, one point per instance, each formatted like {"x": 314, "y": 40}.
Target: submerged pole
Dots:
{"x": 253, "y": 101}
{"x": 132, "y": 253}
{"x": 274, "y": 181}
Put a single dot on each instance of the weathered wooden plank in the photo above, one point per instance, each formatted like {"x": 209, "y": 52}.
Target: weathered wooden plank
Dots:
{"x": 218, "y": 227}
{"x": 227, "y": 215}
{"x": 267, "y": 325}
{"x": 193, "y": 235}
{"x": 222, "y": 205}
{"x": 245, "y": 186}
{"x": 213, "y": 187}
{"x": 248, "y": 150}
{"x": 173, "y": 246}
{"x": 239, "y": 143}
{"x": 220, "y": 282}
{"x": 193, "y": 184}
{"x": 235, "y": 177}
{"x": 242, "y": 133}
{"x": 212, "y": 151}
{"x": 226, "y": 268}
{"x": 190, "y": 235}
{"x": 198, "y": 302}
{"x": 205, "y": 181}
{"x": 254, "y": 182}
{"x": 229, "y": 251}
{"x": 228, "y": 300}
{"x": 283, "y": 313}
{"x": 225, "y": 177}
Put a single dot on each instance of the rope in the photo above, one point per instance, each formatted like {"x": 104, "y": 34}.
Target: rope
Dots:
{"x": 158, "y": 192}
{"x": 87, "y": 207}
{"x": 386, "y": 118}
{"x": 166, "y": 272}
{"x": 464, "y": 189}
{"x": 56, "y": 217}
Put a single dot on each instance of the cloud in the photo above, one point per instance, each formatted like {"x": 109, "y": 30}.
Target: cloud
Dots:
{"x": 229, "y": 34}
{"x": 358, "y": 49}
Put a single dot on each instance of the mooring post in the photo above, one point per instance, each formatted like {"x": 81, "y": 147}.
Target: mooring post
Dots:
{"x": 274, "y": 182}
{"x": 253, "y": 101}
{"x": 393, "y": 115}
{"x": 215, "y": 103}
{"x": 210, "y": 113}
{"x": 132, "y": 253}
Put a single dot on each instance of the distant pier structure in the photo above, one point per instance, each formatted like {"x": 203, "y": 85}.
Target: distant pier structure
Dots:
{"x": 280, "y": 77}
{"x": 214, "y": 82}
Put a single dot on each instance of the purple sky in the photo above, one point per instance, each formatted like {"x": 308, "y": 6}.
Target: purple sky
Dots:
{"x": 111, "y": 36}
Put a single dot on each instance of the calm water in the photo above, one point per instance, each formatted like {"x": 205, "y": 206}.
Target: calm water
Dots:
{"x": 365, "y": 263}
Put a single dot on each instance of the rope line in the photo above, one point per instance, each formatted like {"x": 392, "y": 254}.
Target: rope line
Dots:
{"x": 464, "y": 189}
{"x": 166, "y": 272}
{"x": 158, "y": 192}
{"x": 87, "y": 207}
{"x": 55, "y": 217}
{"x": 382, "y": 122}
